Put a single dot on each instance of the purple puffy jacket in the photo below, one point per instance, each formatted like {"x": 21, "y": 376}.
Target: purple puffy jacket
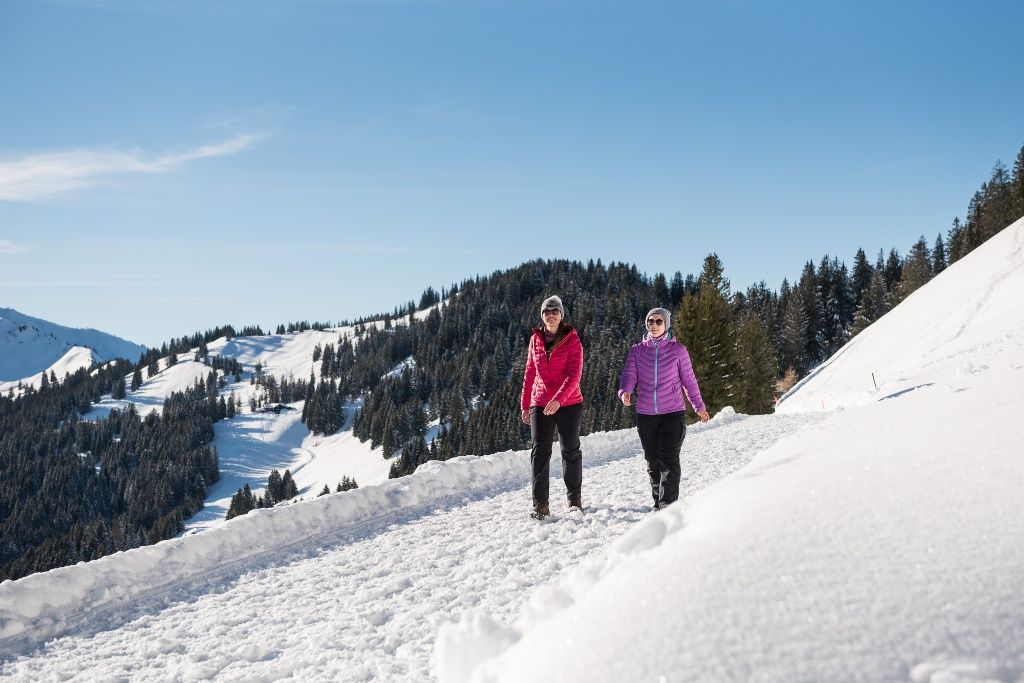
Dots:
{"x": 661, "y": 372}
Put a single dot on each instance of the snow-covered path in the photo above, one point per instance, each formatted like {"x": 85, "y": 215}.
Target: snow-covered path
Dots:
{"x": 368, "y": 603}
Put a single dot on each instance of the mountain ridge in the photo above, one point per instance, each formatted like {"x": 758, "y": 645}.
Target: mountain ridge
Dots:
{"x": 30, "y": 346}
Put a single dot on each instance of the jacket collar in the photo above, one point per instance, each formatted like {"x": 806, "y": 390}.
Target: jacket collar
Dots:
{"x": 668, "y": 336}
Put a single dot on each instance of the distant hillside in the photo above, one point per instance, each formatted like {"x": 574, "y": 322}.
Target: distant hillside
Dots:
{"x": 28, "y": 346}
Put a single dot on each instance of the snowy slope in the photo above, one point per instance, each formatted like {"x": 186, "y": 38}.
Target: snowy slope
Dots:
{"x": 976, "y": 303}
{"x": 29, "y": 346}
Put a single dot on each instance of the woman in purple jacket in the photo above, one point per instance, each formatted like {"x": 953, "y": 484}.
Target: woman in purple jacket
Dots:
{"x": 659, "y": 369}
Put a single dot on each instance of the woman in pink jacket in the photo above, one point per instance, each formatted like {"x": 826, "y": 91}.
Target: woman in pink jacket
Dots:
{"x": 551, "y": 399}
{"x": 659, "y": 369}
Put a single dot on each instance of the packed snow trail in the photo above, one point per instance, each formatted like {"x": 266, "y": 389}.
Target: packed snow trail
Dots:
{"x": 366, "y": 601}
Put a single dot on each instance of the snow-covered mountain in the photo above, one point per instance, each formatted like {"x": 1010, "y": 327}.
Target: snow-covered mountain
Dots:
{"x": 876, "y": 540}
{"x": 30, "y": 346}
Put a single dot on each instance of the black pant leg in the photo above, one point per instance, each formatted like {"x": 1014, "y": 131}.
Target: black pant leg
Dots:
{"x": 671, "y": 433}
{"x": 542, "y": 429}
{"x": 647, "y": 426}
{"x": 568, "y": 420}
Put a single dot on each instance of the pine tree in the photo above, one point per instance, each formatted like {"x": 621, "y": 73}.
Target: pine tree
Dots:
{"x": 808, "y": 295}
{"x": 893, "y": 269}
{"x": 288, "y": 487}
{"x": 275, "y": 486}
{"x": 861, "y": 276}
{"x": 704, "y": 324}
{"x": 758, "y": 369}
{"x": 324, "y": 491}
{"x": 1017, "y": 186}
{"x": 137, "y": 379}
{"x": 793, "y": 336}
{"x": 119, "y": 389}
{"x": 997, "y": 210}
{"x": 938, "y": 256}
{"x": 917, "y": 271}
{"x": 874, "y": 305}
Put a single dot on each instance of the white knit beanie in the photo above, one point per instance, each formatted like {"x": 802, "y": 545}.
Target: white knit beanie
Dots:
{"x": 552, "y": 302}
{"x": 663, "y": 312}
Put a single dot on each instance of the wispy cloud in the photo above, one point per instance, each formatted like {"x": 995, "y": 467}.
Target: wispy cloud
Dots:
{"x": 41, "y": 175}
{"x": 9, "y": 247}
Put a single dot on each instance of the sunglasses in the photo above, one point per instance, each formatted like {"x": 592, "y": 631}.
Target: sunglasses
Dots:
{"x": 655, "y": 321}
{"x": 551, "y": 311}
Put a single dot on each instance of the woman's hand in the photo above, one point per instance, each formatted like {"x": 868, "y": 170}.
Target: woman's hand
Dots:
{"x": 703, "y": 415}
{"x": 526, "y": 417}
{"x": 626, "y": 400}
{"x": 552, "y": 407}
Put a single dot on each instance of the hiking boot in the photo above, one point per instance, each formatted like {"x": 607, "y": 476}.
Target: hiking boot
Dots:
{"x": 575, "y": 504}
{"x": 540, "y": 511}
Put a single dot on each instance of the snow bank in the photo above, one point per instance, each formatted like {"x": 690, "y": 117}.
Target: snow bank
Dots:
{"x": 44, "y": 601}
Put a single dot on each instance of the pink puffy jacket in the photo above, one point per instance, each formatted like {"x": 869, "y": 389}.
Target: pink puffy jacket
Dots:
{"x": 556, "y": 376}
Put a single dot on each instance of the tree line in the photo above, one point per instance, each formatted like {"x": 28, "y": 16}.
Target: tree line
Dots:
{"x": 461, "y": 371}
{"x": 74, "y": 489}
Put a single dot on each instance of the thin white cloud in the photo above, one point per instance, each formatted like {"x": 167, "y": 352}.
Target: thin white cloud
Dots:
{"x": 37, "y": 176}
{"x": 9, "y": 247}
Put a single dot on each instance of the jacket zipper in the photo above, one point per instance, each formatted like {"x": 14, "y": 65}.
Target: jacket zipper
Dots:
{"x": 657, "y": 349}
{"x": 560, "y": 342}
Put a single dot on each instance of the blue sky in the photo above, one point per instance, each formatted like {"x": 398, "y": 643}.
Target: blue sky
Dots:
{"x": 172, "y": 166}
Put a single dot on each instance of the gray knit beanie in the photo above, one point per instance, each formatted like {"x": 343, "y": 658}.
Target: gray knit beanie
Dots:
{"x": 663, "y": 312}
{"x": 552, "y": 302}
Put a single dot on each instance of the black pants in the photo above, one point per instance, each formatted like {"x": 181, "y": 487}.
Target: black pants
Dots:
{"x": 542, "y": 428}
{"x": 662, "y": 438}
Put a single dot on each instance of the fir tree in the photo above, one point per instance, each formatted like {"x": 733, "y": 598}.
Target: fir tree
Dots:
{"x": 704, "y": 324}
{"x": 1017, "y": 186}
{"x": 119, "y": 389}
{"x": 288, "y": 488}
{"x": 874, "y": 305}
{"x": 793, "y": 336}
{"x": 938, "y": 256}
{"x": 275, "y": 486}
{"x": 758, "y": 369}
{"x": 893, "y": 269}
{"x": 917, "y": 271}
{"x": 861, "y": 276}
